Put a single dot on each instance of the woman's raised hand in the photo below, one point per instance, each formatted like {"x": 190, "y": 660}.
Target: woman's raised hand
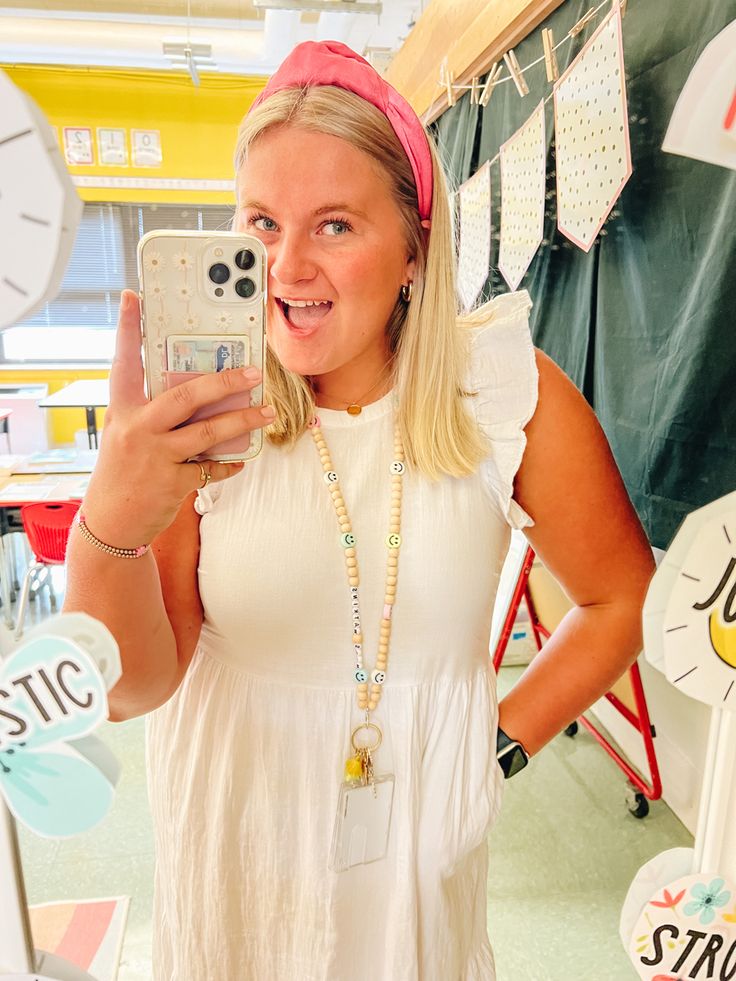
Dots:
{"x": 141, "y": 477}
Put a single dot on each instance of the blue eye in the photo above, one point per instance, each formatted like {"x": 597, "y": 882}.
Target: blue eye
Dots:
{"x": 340, "y": 227}
{"x": 263, "y": 223}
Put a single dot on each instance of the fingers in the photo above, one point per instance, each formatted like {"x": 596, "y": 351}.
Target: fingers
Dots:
{"x": 172, "y": 408}
{"x": 126, "y": 373}
{"x": 198, "y": 437}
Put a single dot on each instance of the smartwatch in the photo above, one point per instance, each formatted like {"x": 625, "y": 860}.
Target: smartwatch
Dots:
{"x": 510, "y": 754}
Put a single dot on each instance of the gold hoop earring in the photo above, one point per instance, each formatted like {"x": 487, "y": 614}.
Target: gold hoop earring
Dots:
{"x": 406, "y": 292}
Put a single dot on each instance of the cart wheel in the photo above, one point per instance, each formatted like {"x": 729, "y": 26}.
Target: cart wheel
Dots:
{"x": 572, "y": 730}
{"x": 637, "y": 804}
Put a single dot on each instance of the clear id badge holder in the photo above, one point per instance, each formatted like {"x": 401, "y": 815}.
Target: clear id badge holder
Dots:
{"x": 364, "y": 806}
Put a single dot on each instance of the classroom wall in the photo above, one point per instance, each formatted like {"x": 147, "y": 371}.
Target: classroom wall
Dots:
{"x": 62, "y": 423}
{"x": 198, "y": 124}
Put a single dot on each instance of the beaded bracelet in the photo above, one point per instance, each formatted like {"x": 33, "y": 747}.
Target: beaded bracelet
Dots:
{"x": 121, "y": 553}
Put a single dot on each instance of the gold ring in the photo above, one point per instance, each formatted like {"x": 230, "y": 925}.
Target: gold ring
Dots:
{"x": 204, "y": 476}
{"x": 366, "y": 725}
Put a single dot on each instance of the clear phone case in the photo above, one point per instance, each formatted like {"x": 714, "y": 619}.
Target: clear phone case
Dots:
{"x": 203, "y": 308}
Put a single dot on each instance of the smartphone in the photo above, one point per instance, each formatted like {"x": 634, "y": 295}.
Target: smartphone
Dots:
{"x": 203, "y": 309}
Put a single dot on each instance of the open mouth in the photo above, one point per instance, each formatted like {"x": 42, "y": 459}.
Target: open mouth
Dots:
{"x": 304, "y": 314}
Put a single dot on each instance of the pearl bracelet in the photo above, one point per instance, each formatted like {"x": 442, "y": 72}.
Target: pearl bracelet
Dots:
{"x": 121, "y": 553}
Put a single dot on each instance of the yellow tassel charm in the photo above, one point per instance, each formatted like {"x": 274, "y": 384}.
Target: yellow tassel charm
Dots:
{"x": 354, "y": 769}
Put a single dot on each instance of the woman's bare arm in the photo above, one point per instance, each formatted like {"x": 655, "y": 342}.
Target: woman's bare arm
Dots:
{"x": 589, "y": 537}
{"x": 140, "y": 492}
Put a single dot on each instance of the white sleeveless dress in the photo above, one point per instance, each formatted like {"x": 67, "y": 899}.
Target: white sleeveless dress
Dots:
{"x": 245, "y": 761}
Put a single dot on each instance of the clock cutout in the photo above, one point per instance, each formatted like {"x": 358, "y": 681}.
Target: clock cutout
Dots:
{"x": 690, "y": 611}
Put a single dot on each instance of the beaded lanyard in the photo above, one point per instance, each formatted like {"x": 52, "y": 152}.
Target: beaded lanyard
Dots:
{"x": 360, "y": 766}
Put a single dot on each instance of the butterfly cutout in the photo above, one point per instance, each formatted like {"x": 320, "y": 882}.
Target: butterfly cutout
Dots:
{"x": 56, "y": 778}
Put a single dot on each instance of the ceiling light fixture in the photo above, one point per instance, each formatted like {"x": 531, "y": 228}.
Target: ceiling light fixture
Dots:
{"x": 331, "y": 6}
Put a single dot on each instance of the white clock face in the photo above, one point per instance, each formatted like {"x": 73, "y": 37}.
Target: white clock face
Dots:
{"x": 700, "y": 618}
{"x": 39, "y": 207}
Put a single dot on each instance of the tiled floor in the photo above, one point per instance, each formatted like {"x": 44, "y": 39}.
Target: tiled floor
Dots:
{"x": 563, "y": 855}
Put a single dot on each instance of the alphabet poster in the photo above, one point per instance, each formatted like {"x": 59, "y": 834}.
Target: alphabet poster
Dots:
{"x": 474, "y": 259}
{"x": 592, "y": 134}
{"x": 687, "y": 930}
{"x": 523, "y": 179}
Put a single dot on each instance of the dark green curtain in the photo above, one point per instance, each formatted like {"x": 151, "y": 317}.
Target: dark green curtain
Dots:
{"x": 645, "y": 323}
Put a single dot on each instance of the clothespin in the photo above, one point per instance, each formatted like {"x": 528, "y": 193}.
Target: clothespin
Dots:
{"x": 491, "y": 83}
{"x": 577, "y": 28}
{"x": 516, "y": 73}
{"x": 446, "y": 79}
{"x": 474, "y": 91}
{"x": 550, "y": 58}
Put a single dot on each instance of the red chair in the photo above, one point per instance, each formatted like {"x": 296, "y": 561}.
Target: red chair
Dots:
{"x": 47, "y": 527}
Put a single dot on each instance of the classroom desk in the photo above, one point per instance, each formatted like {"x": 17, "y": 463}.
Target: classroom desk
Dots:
{"x": 88, "y": 394}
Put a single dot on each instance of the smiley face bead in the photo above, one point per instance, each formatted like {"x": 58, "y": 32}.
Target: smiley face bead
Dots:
{"x": 397, "y": 467}
{"x": 347, "y": 540}
{"x": 361, "y": 675}
{"x": 331, "y": 477}
{"x": 393, "y": 541}
{"x": 378, "y": 677}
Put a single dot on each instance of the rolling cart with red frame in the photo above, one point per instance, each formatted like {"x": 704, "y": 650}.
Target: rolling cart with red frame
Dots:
{"x": 641, "y": 791}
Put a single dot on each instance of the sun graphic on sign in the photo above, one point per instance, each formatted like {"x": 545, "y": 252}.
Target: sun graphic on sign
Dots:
{"x": 700, "y": 617}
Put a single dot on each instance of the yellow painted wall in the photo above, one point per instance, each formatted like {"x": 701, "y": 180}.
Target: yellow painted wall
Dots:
{"x": 198, "y": 125}
{"x": 62, "y": 423}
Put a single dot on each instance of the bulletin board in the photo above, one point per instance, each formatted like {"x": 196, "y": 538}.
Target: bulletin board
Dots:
{"x": 643, "y": 322}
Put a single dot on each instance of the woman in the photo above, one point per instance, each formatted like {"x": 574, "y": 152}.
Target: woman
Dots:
{"x": 240, "y": 639}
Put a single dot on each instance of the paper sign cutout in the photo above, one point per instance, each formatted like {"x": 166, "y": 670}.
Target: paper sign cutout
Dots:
{"x": 475, "y": 235}
{"x": 592, "y": 134}
{"x": 689, "y": 616}
{"x": 39, "y": 207}
{"x": 703, "y": 124}
{"x": 654, "y": 875}
{"x": 687, "y": 930}
{"x": 523, "y": 180}
{"x": 56, "y": 777}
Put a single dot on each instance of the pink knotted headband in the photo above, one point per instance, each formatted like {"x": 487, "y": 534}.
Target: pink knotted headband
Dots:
{"x": 333, "y": 63}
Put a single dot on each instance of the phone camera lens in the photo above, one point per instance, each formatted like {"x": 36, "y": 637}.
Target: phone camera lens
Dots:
{"x": 245, "y": 259}
{"x": 245, "y": 288}
{"x": 219, "y": 273}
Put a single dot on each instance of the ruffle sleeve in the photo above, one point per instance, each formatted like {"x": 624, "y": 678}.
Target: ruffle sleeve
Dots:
{"x": 504, "y": 376}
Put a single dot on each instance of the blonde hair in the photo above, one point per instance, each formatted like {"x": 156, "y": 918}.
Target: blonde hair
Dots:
{"x": 428, "y": 341}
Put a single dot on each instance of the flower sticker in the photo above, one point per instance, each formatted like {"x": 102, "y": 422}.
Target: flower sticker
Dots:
{"x": 223, "y": 320}
{"x": 55, "y": 697}
{"x": 157, "y": 291}
{"x": 191, "y": 322}
{"x": 184, "y": 292}
{"x": 182, "y": 260}
{"x": 707, "y": 899}
{"x": 153, "y": 262}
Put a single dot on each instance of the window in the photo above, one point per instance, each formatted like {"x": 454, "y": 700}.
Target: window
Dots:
{"x": 79, "y": 324}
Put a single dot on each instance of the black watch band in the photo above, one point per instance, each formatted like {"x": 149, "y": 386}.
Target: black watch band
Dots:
{"x": 510, "y": 754}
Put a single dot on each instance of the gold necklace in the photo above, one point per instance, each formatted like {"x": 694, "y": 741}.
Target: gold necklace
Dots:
{"x": 354, "y": 408}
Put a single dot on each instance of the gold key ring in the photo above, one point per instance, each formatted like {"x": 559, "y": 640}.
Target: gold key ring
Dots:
{"x": 366, "y": 725}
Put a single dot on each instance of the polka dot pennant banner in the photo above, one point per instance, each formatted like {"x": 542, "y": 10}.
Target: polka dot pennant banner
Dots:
{"x": 523, "y": 179}
{"x": 474, "y": 259}
{"x": 592, "y": 134}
